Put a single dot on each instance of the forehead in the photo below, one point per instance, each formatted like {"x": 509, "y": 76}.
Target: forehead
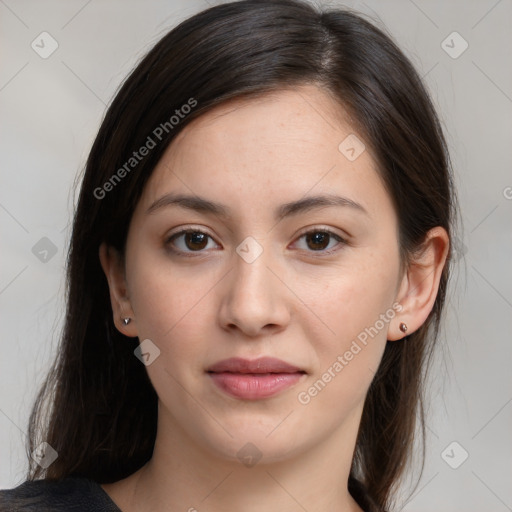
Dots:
{"x": 277, "y": 146}
{"x": 274, "y": 122}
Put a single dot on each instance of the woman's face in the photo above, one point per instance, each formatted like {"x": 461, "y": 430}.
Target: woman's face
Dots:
{"x": 248, "y": 282}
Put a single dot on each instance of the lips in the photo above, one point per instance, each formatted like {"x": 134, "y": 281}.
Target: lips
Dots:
{"x": 261, "y": 365}
{"x": 254, "y": 379}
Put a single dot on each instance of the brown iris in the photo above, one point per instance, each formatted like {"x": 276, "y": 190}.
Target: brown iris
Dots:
{"x": 317, "y": 240}
{"x": 195, "y": 240}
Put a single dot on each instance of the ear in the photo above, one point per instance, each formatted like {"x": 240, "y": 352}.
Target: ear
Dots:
{"x": 113, "y": 266}
{"x": 420, "y": 283}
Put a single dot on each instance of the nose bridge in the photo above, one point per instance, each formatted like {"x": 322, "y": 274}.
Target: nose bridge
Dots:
{"x": 255, "y": 297}
{"x": 251, "y": 275}
{"x": 251, "y": 270}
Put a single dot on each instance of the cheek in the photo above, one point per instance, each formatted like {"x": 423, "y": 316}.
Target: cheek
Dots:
{"x": 354, "y": 306}
{"x": 348, "y": 298}
{"x": 169, "y": 303}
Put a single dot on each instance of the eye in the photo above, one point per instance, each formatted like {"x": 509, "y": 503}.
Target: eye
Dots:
{"x": 189, "y": 240}
{"x": 322, "y": 240}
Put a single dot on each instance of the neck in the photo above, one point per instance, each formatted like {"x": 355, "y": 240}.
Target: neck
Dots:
{"x": 184, "y": 476}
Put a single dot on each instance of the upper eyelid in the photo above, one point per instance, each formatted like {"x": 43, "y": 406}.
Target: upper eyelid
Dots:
{"x": 193, "y": 229}
{"x": 315, "y": 229}
{"x": 303, "y": 232}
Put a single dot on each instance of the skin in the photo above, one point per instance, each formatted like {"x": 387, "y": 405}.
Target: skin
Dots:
{"x": 291, "y": 302}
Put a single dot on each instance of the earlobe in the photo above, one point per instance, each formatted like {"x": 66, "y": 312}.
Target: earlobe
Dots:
{"x": 113, "y": 267}
{"x": 403, "y": 327}
{"x": 420, "y": 284}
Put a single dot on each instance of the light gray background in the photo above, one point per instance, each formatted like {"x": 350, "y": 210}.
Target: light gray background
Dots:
{"x": 51, "y": 109}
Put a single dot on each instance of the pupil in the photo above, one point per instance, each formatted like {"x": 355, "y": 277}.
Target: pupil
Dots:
{"x": 319, "y": 238}
{"x": 196, "y": 240}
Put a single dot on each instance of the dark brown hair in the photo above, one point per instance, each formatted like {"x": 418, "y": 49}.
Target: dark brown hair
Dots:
{"x": 97, "y": 408}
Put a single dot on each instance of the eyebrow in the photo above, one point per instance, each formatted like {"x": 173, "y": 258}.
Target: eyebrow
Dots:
{"x": 202, "y": 205}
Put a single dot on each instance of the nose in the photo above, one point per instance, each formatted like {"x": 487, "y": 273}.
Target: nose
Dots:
{"x": 255, "y": 300}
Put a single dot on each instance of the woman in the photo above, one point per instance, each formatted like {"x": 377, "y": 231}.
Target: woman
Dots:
{"x": 257, "y": 272}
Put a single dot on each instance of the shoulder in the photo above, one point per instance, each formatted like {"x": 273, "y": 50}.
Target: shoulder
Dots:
{"x": 71, "y": 494}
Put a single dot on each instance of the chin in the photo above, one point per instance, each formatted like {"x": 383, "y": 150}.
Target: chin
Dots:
{"x": 268, "y": 442}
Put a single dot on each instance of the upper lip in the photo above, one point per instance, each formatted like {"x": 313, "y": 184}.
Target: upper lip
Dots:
{"x": 260, "y": 365}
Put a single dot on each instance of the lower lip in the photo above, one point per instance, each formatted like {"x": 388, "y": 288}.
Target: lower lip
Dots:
{"x": 252, "y": 386}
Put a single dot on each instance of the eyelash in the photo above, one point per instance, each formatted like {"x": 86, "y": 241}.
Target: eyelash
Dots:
{"x": 321, "y": 253}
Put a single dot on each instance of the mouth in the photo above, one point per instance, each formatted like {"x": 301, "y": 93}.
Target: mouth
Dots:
{"x": 254, "y": 379}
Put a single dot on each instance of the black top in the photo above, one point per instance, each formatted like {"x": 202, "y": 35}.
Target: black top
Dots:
{"x": 69, "y": 495}
{"x": 73, "y": 494}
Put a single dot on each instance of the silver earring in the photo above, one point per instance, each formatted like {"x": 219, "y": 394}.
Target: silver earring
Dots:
{"x": 126, "y": 321}
{"x": 403, "y": 327}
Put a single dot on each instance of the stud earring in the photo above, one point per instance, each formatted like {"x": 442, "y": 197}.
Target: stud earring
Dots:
{"x": 126, "y": 321}
{"x": 403, "y": 327}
